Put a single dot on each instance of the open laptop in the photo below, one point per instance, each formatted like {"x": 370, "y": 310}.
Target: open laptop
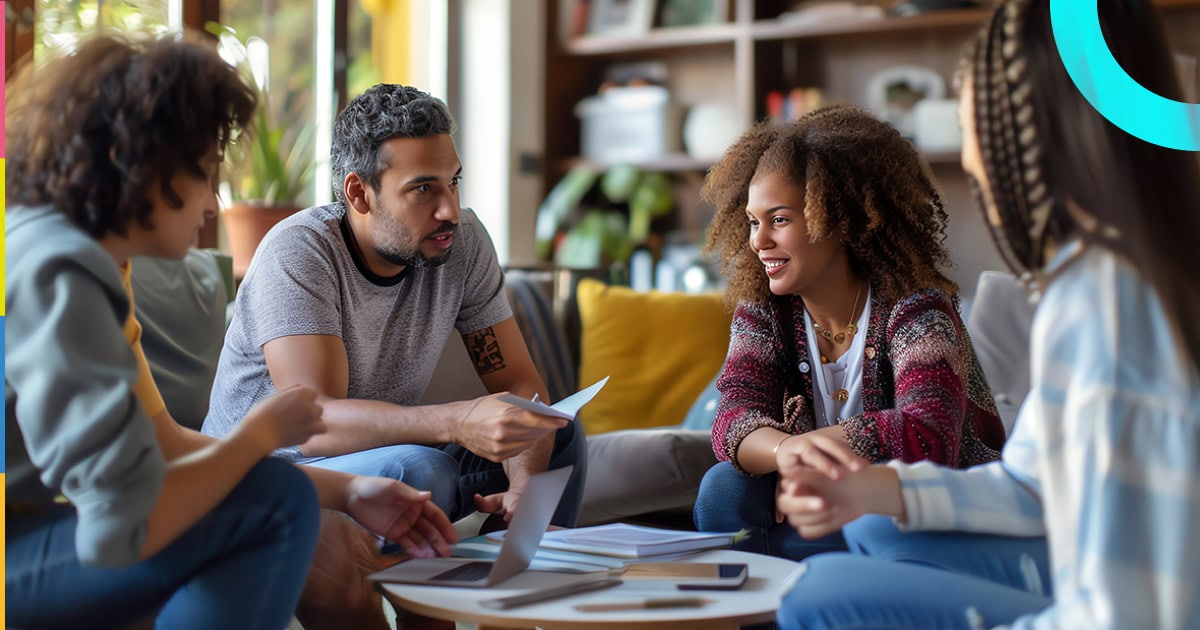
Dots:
{"x": 532, "y": 517}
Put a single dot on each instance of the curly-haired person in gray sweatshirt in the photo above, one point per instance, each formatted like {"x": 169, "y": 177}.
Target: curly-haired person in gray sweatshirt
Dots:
{"x": 113, "y": 510}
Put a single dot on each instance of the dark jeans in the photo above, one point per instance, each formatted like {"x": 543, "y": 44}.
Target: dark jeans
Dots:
{"x": 730, "y": 500}
{"x": 241, "y": 566}
{"x": 454, "y": 475}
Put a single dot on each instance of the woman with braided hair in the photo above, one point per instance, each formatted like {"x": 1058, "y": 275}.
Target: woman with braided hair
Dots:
{"x": 1104, "y": 461}
{"x": 846, "y": 345}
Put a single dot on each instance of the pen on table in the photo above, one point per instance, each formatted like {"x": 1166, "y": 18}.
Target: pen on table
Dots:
{"x": 573, "y": 588}
{"x": 672, "y": 602}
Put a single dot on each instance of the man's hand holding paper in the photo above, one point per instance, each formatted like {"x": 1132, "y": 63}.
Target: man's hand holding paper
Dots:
{"x": 508, "y": 426}
{"x": 496, "y": 430}
{"x": 504, "y": 425}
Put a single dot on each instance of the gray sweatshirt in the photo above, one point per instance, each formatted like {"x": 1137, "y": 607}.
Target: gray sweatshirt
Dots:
{"x": 72, "y": 423}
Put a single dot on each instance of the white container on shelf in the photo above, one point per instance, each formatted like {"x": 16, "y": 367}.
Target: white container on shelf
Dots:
{"x": 711, "y": 128}
{"x": 628, "y": 124}
{"x": 937, "y": 125}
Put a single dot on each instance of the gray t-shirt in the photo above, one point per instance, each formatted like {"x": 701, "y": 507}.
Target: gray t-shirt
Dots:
{"x": 306, "y": 280}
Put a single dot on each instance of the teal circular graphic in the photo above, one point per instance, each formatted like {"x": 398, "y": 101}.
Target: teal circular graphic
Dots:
{"x": 1106, "y": 85}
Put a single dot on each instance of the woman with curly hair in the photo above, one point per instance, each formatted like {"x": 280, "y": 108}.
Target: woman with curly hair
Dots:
{"x": 113, "y": 510}
{"x": 846, "y": 342}
{"x": 1103, "y": 462}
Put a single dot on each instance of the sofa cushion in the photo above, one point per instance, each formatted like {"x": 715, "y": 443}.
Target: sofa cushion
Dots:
{"x": 999, "y": 325}
{"x": 704, "y": 410}
{"x": 660, "y": 349}
{"x": 645, "y": 470}
{"x": 543, "y": 336}
{"x": 181, "y": 306}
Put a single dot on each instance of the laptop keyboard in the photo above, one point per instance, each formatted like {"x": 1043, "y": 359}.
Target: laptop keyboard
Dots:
{"x": 468, "y": 572}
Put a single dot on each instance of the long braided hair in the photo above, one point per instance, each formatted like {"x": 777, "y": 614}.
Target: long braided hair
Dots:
{"x": 1045, "y": 148}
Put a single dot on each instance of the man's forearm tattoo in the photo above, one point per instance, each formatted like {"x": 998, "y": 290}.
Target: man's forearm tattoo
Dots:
{"x": 484, "y": 349}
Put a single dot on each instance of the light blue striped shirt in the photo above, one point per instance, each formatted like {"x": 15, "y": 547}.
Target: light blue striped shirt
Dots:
{"x": 1104, "y": 459}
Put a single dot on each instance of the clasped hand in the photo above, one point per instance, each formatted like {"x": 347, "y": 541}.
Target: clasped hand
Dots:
{"x": 819, "y": 482}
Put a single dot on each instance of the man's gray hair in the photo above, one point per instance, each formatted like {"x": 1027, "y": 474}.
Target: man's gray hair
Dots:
{"x": 381, "y": 113}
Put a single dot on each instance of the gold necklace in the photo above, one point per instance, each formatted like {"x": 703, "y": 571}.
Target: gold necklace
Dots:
{"x": 848, "y": 333}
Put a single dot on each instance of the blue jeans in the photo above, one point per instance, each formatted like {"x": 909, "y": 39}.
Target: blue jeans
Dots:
{"x": 730, "y": 500}
{"x": 454, "y": 475}
{"x": 240, "y": 566}
{"x": 919, "y": 580}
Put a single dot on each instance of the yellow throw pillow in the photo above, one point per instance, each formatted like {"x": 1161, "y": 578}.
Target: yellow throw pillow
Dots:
{"x": 661, "y": 350}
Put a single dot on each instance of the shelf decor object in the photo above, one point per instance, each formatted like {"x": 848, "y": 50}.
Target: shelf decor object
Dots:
{"x": 893, "y": 94}
{"x": 675, "y": 13}
{"x": 628, "y": 18}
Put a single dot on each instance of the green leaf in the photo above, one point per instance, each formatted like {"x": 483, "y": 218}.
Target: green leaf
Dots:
{"x": 565, "y": 195}
{"x": 619, "y": 182}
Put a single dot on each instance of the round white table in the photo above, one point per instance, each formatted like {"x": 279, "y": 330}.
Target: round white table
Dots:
{"x": 755, "y": 602}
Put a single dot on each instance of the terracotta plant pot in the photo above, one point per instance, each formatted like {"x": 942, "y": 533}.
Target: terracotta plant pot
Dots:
{"x": 246, "y": 224}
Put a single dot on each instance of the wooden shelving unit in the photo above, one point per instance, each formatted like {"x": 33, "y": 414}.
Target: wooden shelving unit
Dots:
{"x": 672, "y": 163}
{"x": 657, "y": 40}
{"x": 759, "y": 45}
{"x": 750, "y": 54}
{"x": 763, "y": 30}
{"x": 739, "y": 61}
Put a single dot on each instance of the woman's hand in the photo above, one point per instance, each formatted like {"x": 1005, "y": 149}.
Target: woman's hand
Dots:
{"x": 824, "y": 450}
{"x": 817, "y": 505}
{"x": 400, "y": 513}
{"x": 286, "y": 418}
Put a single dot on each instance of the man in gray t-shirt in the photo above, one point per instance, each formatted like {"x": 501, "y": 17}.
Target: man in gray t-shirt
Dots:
{"x": 357, "y": 298}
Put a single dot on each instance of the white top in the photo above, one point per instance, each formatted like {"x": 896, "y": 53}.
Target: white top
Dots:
{"x": 845, "y": 372}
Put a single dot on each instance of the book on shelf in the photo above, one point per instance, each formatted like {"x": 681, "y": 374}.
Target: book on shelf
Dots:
{"x": 621, "y": 540}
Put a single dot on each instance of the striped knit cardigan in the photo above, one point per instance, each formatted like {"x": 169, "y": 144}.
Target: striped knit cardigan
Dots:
{"x": 924, "y": 394}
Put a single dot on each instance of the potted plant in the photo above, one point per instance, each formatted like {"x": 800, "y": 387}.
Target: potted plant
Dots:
{"x": 581, "y": 234}
{"x": 267, "y": 171}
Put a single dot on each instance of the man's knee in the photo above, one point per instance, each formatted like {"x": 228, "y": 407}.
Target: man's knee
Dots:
{"x": 429, "y": 469}
{"x": 570, "y": 446}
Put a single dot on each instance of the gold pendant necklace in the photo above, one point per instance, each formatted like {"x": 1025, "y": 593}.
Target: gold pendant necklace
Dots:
{"x": 848, "y": 333}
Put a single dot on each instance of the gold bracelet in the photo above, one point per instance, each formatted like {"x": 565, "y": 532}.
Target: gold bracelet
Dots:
{"x": 775, "y": 451}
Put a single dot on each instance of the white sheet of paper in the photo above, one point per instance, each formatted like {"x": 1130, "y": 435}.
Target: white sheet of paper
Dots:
{"x": 566, "y": 408}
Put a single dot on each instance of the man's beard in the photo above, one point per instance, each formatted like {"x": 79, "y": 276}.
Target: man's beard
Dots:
{"x": 412, "y": 256}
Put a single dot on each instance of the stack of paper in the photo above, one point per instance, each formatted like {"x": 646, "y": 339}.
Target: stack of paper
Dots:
{"x": 631, "y": 541}
{"x": 543, "y": 559}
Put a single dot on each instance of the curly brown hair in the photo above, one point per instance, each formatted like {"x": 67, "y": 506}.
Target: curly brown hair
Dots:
{"x": 91, "y": 131}
{"x": 863, "y": 184}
